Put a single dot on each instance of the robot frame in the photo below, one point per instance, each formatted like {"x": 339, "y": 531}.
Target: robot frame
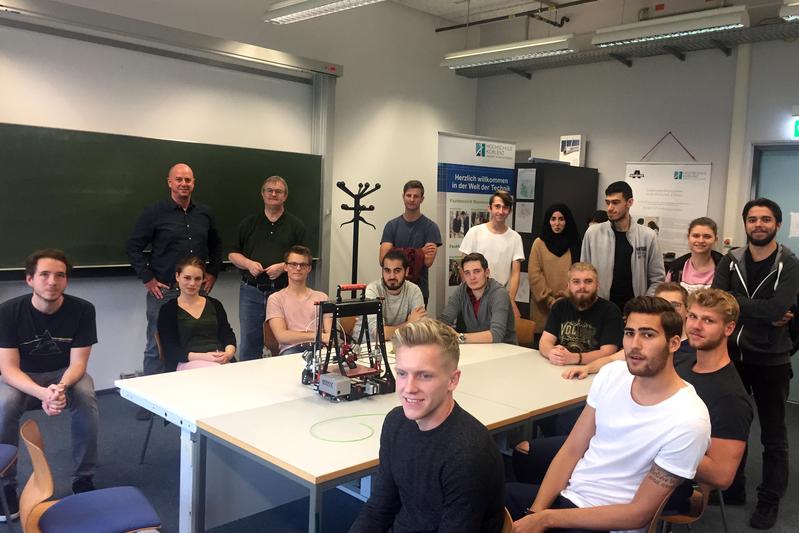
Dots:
{"x": 348, "y": 378}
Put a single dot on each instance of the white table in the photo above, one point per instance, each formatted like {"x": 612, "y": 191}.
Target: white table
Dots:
{"x": 221, "y": 402}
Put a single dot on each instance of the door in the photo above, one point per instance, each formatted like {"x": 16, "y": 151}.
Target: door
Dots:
{"x": 776, "y": 175}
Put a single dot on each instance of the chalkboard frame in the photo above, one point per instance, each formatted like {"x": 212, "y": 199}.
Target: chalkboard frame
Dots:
{"x": 82, "y": 191}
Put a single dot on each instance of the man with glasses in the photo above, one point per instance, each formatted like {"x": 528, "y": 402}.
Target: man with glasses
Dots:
{"x": 264, "y": 239}
{"x": 292, "y": 312}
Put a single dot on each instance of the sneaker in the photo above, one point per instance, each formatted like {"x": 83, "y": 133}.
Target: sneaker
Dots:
{"x": 736, "y": 498}
{"x": 765, "y": 516}
{"x": 143, "y": 414}
{"x": 13, "y": 503}
{"x": 82, "y": 484}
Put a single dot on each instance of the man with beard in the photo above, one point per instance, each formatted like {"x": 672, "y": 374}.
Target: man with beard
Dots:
{"x": 643, "y": 431}
{"x": 764, "y": 279}
{"x": 626, "y": 255}
{"x": 479, "y": 309}
{"x": 582, "y": 327}
{"x": 402, "y": 299}
{"x": 711, "y": 318}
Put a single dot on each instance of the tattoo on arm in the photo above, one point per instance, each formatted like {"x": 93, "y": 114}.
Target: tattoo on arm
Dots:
{"x": 663, "y": 478}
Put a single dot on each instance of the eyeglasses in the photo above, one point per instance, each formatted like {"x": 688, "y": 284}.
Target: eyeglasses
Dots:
{"x": 297, "y": 266}
{"x": 274, "y": 191}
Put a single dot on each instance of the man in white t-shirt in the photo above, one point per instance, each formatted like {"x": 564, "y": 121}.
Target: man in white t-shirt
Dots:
{"x": 292, "y": 312}
{"x": 499, "y": 244}
{"x": 643, "y": 431}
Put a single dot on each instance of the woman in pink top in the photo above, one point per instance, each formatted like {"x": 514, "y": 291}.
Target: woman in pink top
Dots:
{"x": 695, "y": 270}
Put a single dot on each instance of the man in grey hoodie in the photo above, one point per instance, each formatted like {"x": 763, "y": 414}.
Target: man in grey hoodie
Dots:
{"x": 626, "y": 255}
{"x": 764, "y": 279}
{"x": 480, "y": 309}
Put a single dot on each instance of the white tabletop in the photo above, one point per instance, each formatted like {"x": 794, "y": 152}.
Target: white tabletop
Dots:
{"x": 525, "y": 381}
{"x": 318, "y": 440}
{"x": 498, "y": 390}
{"x": 185, "y": 397}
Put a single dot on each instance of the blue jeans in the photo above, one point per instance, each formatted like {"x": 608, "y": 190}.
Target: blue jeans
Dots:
{"x": 252, "y": 313}
{"x": 153, "y": 365}
{"x": 82, "y": 407}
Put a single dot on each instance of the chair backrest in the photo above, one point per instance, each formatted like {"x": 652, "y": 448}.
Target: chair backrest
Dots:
{"x": 507, "y": 525}
{"x": 269, "y": 340}
{"x": 159, "y": 347}
{"x": 348, "y": 324}
{"x": 697, "y": 506}
{"x": 525, "y": 329}
{"x": 40, "y": 485}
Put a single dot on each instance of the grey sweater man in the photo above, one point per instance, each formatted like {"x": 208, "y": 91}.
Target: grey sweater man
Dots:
{"x": 495, "y": 313}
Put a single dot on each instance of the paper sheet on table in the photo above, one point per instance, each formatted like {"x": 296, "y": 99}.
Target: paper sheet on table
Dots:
{"x": 523, "y": 294}
{"x": 794, "y": 225}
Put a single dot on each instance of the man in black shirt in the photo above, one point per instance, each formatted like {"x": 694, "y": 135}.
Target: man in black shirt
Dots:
{"x": 764, "y": 279}
{"x": 264, "y": 238}
{"x": 45, "y": 342}
{"x": 582, "y": 327}
{"x": 439, "y": 468}
{"x": 174, "y": 228}
{"x": 711, "y": 319}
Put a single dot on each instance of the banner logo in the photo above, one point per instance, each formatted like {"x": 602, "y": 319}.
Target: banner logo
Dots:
{"x": 480, "y": 149}
{"x": 678, "y": 174}
{"x": 637, "y": 174}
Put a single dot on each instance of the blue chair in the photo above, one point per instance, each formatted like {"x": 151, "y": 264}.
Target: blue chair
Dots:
{"x": 114, "y": 510}
{"x": 8, "y": 457}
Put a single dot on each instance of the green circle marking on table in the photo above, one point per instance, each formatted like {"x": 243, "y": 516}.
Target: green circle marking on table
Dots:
{"x": 370, "y": 429}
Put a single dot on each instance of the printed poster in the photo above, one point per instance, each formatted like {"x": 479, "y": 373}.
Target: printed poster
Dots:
{"x": 667, "y": 197}
{"x": 470, "y": 169}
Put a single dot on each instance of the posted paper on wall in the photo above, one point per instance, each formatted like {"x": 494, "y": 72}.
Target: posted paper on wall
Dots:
{"x": 794, "y": 232}
{"x": 667, "y": 196}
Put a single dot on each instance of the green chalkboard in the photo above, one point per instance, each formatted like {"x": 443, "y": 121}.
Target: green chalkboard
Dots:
{"x": 83, "y": 191}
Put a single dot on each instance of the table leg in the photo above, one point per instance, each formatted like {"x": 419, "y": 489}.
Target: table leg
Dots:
{"x": 191, "y": 510}
{"x": 315, "y": 510}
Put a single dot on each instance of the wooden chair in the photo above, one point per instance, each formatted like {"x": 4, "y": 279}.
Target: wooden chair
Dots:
{"x": 697, "y": 506}
{"x": 507, "y": 525}
{"x": 348, "y": 324}
{"x": 270, "y": 341}
{"x": 114, "y": 509}
{"x": 525, "y": 330}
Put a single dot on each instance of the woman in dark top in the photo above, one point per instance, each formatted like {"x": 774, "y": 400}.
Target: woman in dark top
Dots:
{"x": 193, "y": 329}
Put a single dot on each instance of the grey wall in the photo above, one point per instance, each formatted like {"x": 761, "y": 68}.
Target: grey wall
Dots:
{"x": 622, "y": 112}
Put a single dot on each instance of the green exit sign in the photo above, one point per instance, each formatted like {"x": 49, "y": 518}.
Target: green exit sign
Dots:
{"x": 796, "y": 128}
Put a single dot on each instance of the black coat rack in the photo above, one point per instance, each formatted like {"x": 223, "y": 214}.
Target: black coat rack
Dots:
{"x": 363, "y": 191}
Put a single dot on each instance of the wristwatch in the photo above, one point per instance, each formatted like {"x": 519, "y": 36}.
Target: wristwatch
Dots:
{"x": 462, "y": 338}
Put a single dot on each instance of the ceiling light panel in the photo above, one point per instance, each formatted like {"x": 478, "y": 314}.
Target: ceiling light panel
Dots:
{"x": 299, "y": 10}
{"x": 790, "y": 11}
{"x": 511, "y": 52}
{"x": 687, "y": 24}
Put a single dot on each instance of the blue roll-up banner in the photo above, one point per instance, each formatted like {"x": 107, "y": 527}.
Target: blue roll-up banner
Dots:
{"x": 470, "y": 169}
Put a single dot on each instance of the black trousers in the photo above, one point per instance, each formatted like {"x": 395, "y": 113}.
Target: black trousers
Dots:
{"x": 519, "y": 496}
{"x": 769, "y": 386}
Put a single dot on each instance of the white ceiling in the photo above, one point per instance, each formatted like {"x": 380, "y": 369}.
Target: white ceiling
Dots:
{"x": 456, "y": 11}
